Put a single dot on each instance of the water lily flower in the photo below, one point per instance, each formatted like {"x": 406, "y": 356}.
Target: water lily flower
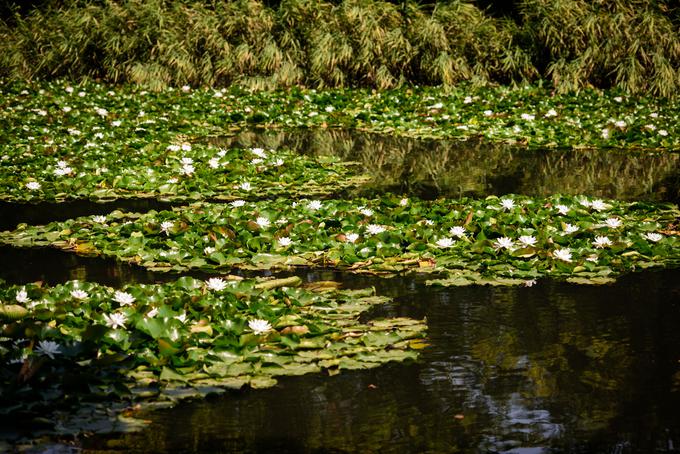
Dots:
{"x": 598, "y": 205}
{"x": 186, "y": 147}
{"x": 601, "y": 242}
{"x": 216, "y": 283}
{"x": 285, "y": 241}
{"x": 351, "y": 237}
{"x": 172, "y": 147}
{"x": 67, "y": 109}
{"x": 256, "y": 161}
{"x": 22, "y": 296}
{"x": 79, "y": 294}
{"x": 527, "y": 117}
{"x": 314, "y": 205}
{"x": 69, "y": 89}
{"x": 618, "y": 98}
{"x": 562, "y": 209}
{"x": 214, "y": 163}
{"x": 259, "y": 152}
{"x": 620, "y": 124}
{"x": 278, "y": 162}
{"x": 101, "y": 112}
{"x": 653, "y": 236}
{"x": 48, "y": 348}
{"x": 457, "y": 231}
{"x": 551, "y": 113}
{"x": 530, "y": 283}
{"x": 650, "y": 127}
{"x": 503, "y": 243}
{"x": 605, "y": 133}
{"x": 115, "y": 320}
{"x": 33, "y": 185}
{"x": 374, "y": 229}
{"x": 166, "y": 226}
{"x": 527, "y": 240}
{"x": 562, "y": 254}
{"x": 186, "y": 160}
{"x": 467, "y": 100}
{"x": 188, "y": 169}
{"x": 403, "y": 202}
{"x": 663, "y": 132}
{"x": 116, "y": 123}
{"x": 259, "y": 326}
{"x": 263, "y": 222}
{"x": 366, "y": 211}
{"x": 123, "y": 298}
{"x": 508, "y": 204}
{"x": 245, "y": 186}
{"x": 238, "y": 203}
{"x": 445, "y": 242}
{"x": 186, "y": 88}
{"x": 152, "y": 313}
{"x": 61, "y": 171}
{"x": 329, "y": 109}
{"x": 181, "y": 317}
{"x": 569, "y": 228}
{"x": 208, "y": 250}
{"x": 613, "y": 222}
{"x": 488, "y": 113}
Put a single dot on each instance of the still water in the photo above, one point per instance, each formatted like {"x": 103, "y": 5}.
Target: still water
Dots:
{"x": 552, "y": 368}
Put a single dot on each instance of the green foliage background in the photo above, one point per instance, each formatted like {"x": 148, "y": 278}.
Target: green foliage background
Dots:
{"x": 572, "y": 43}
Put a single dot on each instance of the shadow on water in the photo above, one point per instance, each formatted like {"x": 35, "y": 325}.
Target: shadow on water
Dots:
{"x": 450, "y": 168}
{"x": 556, "y": 367}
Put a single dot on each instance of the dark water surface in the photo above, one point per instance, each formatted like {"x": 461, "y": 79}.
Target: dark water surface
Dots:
{"x": 552, "y": 368}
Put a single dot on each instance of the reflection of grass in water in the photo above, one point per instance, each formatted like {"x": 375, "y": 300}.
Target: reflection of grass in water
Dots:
{"x": 459, "y": 168}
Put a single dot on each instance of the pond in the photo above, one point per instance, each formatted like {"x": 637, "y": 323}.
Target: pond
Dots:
{"x": 555, "y": 367}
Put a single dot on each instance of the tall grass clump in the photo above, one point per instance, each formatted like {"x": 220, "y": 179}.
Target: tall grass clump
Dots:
{"x": 634, "y": 45}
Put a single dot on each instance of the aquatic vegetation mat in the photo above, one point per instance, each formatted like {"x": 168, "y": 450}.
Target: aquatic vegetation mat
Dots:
{"x": 510, "y": 240}
{"x": 72, "y": 345}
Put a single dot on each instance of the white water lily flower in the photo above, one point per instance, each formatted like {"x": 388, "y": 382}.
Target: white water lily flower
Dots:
{"x": 329, "y": 109}
{"x": 618, "y": 99}
{"x": 186, "y": 88}
{"x": 208, "y": 250}
{"x": 187, "y": 160}
{"x": 613, "y": 222}
{"x": 214, "y": 163}
{"x": 457, "y": 231}
{"x": 598, "y": 205}
{"x": 115, "y": 320}
{"x": 663, "y": 132}
{"x": 99, "y": 219}
{"x": 562, "y": 254}
{"x": 222, "y": 153}
{"x": 366, "y": 211}
{"x": 79, "y": 294}
{"x": 279, "y": 162}
{"x": 351, "y": 237}
{"x": 186, "y": 147}
{"x": 374, "y": 229}
{"x": 181, "y": 317}
{"x": 605, "y": 133}
{"x": 527, "y": 117}
{"x": 562, "y": 209}
{"x": 245, "y": 186}
{"x": 123, "y": 298}
{"x": 66, "y": 109}
{"x": 527, "y": 240}
{"x": 188, "y": 169}
{"x": 445, "y": 242}
{"x": 403, "y": 202}
{"x": 314, "y": 205}
{"x": 551, "y": 113}
{"x": 467, "y": 100}
{"x": 508, "y": 204}
{"x": 503, "y": 243}
{"x": 238, "y": 203}
{"x": 101, "y": 112}
{"x": 172, "y": 147}
{"x": 48, "y": 348}
{"x": 569, "y": 228}
{"x": 259, "y": 152}
{"x": 620, "y": 124}
{"x": 116, "y": 123}
{"x": 69, "y": 89}
{"x": 22, "y": 296}
{"x": 530, "y": 283}
{"x": 650, "y": 127}
{"x": 152, "y": 313}
{"x": 61, "y": 171}
{"x": 285, "y": 241}
{"x": 263, "y": 222}
{"x": 601, "y": 242}
{"x": 488, "y": 113}
{"x": 256, "y": 161}
{"x": 259, "y": 326}
{"x": 216, "y": 283}
{"x": 653, "y": 236}
{"x": 33, "y": 185}
{"x": 166, "y": 226}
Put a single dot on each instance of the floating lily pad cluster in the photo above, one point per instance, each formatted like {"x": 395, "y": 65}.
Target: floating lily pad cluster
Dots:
{"x": 514, "y": 237}
{"x": 80, "y": 340}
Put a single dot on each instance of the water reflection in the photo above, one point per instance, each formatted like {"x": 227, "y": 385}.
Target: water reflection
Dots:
{"x": 431, "y": 168}
{"x": 557, "y": 367}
